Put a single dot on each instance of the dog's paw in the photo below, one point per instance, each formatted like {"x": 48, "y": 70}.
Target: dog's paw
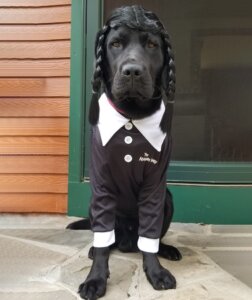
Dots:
{"x": 169, "y": 252}
{"x": 95, "y": 284}
{"x": 93, "y": 288}
{"x": 161, "y": 279}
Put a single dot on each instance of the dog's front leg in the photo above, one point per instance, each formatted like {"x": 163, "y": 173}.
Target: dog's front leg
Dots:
{"x": 159, "y": 277}
{"x": 95, "y": 284}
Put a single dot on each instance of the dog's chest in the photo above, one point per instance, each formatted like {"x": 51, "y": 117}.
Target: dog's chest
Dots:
{"x": 128, "y": 152}
{"x": 133, "y": 149}
{"x": 126, "y": 164}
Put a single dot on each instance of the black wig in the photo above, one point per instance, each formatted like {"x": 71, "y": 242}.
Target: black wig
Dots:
{"x": 134, "y": 17}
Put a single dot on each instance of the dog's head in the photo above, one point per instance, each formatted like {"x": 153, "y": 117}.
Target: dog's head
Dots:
{"x": 134, "y": 65}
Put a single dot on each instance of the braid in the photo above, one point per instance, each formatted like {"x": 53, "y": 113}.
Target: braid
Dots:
{"x": 169, "y": 85}
{"x": 170, "y": 92}
{"x": 97, "y": 76}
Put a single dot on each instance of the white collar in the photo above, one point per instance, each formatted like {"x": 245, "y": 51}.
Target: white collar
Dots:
{"x": 110, "y": 121}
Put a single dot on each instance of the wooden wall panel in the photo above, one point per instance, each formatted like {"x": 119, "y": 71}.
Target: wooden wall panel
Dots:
{"x": 33, "y": 145}
{"x": 31, "y": 50}
{"x": 33, "y": 202}
{"x": 33, "y": 126}
{"x": 33, "y": 3}
{"x": 34, "y": 68}
{"x": 23, "y": 183}
{"x": 33, "y": 164}
{"x": 43, "y": 32}
{"x": 34, "y": 105}
{"x": 38, "y": 87}
{"x": 42, "y": 15}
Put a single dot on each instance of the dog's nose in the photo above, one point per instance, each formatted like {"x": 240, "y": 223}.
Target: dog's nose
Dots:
{"x": 132, "y": 70}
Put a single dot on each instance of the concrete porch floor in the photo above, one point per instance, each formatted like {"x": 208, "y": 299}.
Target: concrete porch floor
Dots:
{"x": 41, "y": 260}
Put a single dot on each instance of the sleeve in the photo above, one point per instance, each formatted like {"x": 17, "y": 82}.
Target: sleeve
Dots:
{"x": 103, "y": 201}
{"x": 152, "y": 196}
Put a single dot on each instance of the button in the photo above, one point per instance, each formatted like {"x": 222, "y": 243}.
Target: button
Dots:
{"x": 128, "y": 158}
{"x": 128, "y": 140}
{"x": 129, "y": 126}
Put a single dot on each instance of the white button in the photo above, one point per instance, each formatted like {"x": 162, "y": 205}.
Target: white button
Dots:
{"x": 128, "y": 140}
{"x": 128, "y": 126}
{"x": 128, "y": 158}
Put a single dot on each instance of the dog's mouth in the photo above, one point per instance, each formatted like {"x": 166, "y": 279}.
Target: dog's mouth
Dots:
{"x": 135, "y": 106}
{"x": 135, "y": 98}
{"x": 139, "y": 101}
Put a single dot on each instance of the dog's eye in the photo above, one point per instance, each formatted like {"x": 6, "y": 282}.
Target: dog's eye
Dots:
{"x": 116, "y": 44}
{"x": 151, "y": 44}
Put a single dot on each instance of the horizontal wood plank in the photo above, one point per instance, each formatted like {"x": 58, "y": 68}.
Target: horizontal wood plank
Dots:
{"x": 33, "y": 203}
{"x": 57, "y": 14}
{"x": 23, "y": 183}
{"x": 34, "y": 50}
{"x": 34, "y": 87}
{"x": 34, "y": 126}
{"x": 33, "y": 145}
{"x": 34, "y": 107}
{"x": 33, "y": 164}
{"x": 34, "y": 68}
{"x": 35, "y": 33}
{"x": 33, "y": 3}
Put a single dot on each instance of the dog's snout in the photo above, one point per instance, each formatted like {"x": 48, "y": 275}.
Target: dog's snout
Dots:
{"x": 132, "y": 70}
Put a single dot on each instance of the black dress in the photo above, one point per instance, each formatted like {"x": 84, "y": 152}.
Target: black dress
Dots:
{"x": 129, "y": 159}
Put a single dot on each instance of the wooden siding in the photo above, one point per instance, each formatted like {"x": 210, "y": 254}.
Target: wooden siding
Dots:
{"x": 34, "y": 105}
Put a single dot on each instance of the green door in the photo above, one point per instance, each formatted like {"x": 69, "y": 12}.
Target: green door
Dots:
{"x": 211, "y": 171}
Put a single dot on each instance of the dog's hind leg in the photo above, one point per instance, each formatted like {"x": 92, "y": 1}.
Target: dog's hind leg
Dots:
{"x": 83, "y": 224}
{"x": 167, "y": 251}
{"x": 96, "y": 282}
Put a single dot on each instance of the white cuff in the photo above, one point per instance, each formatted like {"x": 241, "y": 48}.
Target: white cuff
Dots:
{"x": 148, "y": 245}
{"x": 104, "y": 239}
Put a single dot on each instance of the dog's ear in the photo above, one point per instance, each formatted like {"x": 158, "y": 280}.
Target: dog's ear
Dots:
{"x": 94, "y": 110}
{"x": 168, "y": 84}
{"x": 97, "y": 75}
{"x": 166, "y": 121}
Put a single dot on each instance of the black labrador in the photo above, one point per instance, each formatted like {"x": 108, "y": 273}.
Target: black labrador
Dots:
{"x": 131, "y": 208}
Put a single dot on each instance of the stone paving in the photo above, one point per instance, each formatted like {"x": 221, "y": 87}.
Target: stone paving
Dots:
{"x": 41, "y": 260}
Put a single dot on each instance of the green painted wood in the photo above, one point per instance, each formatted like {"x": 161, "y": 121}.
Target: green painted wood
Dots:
{"x": 77, "y": 89}
{"x": 194, "y": 203}
{"x": 86, "y": 17}
{"x": 77, "y": 94}
{"x": 210, "y": 172}
{"x": 94, "y": 17}
{"x": 212, "y": 204}
{"x": 79, "y": 199}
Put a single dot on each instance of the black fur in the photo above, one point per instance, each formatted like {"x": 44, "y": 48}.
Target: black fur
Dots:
{"x": 126, "y": 232}
{"x": 96, "y": 282}
{"x": 137, "y": 18}
{"x": 134, "y": 65}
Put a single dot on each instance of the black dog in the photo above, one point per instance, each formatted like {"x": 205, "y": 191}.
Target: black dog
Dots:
{"x": 131, "y": 209}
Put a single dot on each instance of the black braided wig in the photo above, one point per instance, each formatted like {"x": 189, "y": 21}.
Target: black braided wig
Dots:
{"x": 134, "y": 17}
